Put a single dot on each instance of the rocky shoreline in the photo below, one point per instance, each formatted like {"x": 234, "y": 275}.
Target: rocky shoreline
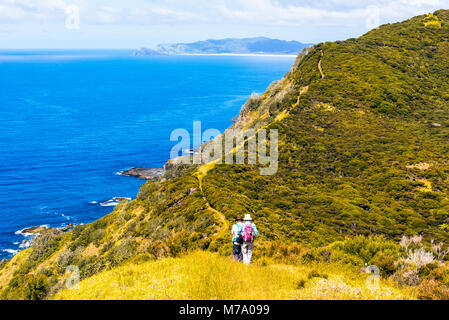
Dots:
{"x": 144, "y": 173}
{"x": 40, "y": 229}
{"x": 32, "y": 233}
{"x": 34, "y": 230}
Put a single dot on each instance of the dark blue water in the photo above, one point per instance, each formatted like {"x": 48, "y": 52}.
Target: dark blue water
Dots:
{"x": 70, "y": 120}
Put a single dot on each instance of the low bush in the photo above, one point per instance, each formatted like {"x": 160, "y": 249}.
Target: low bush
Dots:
{"x": 36, "y": 288}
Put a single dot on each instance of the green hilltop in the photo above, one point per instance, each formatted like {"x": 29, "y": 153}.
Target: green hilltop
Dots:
{"x": 363, "y": 161}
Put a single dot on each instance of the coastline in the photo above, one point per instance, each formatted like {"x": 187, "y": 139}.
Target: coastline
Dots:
{"x": 106, "y": 189}
{"x": 31, "y": 233}
{"x": 239, "y": 55}
{"x": 143, "y": 173}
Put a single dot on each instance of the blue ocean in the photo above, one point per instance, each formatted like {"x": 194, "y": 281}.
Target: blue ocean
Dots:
{"x": 70, "y": 120}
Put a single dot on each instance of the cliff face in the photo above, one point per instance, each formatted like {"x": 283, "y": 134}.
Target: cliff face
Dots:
{"x": 363, "y": 127}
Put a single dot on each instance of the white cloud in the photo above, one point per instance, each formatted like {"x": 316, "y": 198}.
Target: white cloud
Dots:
{"x": 25, "y": 11}
{"x": 276, "y": 13}
{"x": 10, "y": 13}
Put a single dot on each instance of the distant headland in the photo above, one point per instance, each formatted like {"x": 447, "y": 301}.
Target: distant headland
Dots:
{"x": 247, "y": 46}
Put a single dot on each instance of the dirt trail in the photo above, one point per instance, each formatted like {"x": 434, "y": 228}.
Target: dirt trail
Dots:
{"x": 320, "y": 67}
{"x": 204, "y": 169}
{"x": 200, "y": 174}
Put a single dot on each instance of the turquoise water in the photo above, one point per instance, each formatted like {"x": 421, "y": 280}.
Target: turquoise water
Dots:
{"x": 70, "y": 120}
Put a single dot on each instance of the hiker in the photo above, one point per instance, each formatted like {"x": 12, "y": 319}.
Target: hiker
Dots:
{"x": 237, "y": 239}
{"x": 249, "y": 234}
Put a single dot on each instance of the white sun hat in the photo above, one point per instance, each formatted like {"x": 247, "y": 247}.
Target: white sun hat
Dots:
{"x": 248, "y": 217}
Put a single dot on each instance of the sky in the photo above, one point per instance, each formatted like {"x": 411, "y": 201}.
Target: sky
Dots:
{"x": 96, "y": 24}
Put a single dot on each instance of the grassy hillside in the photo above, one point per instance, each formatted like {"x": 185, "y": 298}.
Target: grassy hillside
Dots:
{"x": 202, "y": 275}
{"x": 363, "y": 127}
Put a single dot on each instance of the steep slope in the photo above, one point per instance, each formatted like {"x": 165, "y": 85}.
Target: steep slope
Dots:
{"x": 351, "y": 142}
{"x": 363, "y": 127}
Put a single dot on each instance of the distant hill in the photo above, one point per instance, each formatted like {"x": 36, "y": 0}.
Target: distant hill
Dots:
{"x": 260, "y": 45}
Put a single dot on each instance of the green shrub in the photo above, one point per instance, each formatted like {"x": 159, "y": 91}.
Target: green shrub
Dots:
{"x": 369, "y": 250}
{"x": 122, "y": 252}
{"x": 36, "y": 288}
{"x": 316, "y": 274}
{"x": 301, "y": 284}
{"x": 432, "y": 290}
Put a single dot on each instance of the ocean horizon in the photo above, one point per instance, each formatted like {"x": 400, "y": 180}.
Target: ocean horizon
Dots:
{"x": 73, "y": 119}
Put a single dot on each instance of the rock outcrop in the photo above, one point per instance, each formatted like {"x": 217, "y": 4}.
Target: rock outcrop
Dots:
{"x": 144, "y": 173}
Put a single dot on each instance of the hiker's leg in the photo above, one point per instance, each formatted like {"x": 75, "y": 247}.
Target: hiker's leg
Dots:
{"x": 245, "y": 251}
{"x": 237, "y": 252}
{"x": 234, "y": 251}
{"x": 250, "y": 252}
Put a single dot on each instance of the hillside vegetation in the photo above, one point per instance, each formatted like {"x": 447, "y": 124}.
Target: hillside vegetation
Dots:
{"x": 363, "y": 170}
{"x": 202, "y": 275}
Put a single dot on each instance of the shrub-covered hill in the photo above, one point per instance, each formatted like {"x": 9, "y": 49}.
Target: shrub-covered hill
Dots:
{"x": 363, "y": 127}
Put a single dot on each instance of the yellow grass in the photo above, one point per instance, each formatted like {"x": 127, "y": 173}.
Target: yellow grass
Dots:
{"x": 204, "y": 169}
{"x": 420, "y": 166}
{"x": 427, "y": 185}
{"x": 432, "y": 21}
{"x": 204, "y": 275}
{"x": 7, "y": 273}
{"x": 284, "y": 114}
{"x": 326, "y": 107}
